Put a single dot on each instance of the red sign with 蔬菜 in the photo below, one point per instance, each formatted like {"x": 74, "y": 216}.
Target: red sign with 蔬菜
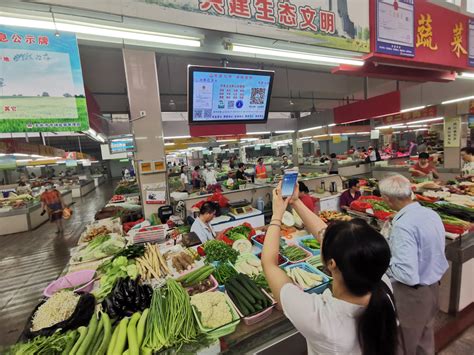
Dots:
{"x": 441, "y": 37}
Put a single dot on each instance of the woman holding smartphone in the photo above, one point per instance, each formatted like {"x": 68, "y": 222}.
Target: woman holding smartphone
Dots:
{"x": 358, "y": 317}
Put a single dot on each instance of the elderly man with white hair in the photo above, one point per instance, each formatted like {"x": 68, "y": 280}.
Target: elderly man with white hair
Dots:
{"x": 417, "y": 242}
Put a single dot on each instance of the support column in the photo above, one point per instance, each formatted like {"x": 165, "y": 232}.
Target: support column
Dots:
{"x": 144, "y": 100}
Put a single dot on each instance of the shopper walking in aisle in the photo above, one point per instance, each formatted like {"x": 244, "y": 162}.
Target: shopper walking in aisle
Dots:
{"x": 417, "y": 243}
{"x": 333, "y": 165}
{"x": 358, "y": 317}
{"x": 196, "y": 177}
{"x": 52, "y": 202}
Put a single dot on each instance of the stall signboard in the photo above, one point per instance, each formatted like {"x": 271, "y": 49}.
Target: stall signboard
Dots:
{"x": 399, "y": 118}
{"x": 159, "y": 166}
{"x": 470, "y": 121}
{"x": 452, "y": 132}
{"x": 335, "y": 24}
{"x": 471, "y": 42}
{"x": 337, "y": 139}
{"x": 71, "y": 163}
{"x": 395, "y": 27}
{"x": 7, "y": 163}
{"x": 41, "y": 82}
{"x": 440, "y": 36}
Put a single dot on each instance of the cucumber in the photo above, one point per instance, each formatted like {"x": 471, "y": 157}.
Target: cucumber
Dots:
{"x": 193, "y": 275}
{"x": 201, "y": 277}
{"x": 238, "y": 304}
{"x": 251, "y": 287}
{"x": 240, "y": 297}
{"x": 237, "y": 285}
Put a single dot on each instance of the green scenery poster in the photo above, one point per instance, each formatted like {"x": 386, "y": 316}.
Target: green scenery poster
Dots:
{"x": 41, "y": 86}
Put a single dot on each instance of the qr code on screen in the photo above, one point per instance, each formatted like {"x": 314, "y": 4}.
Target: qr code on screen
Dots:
{"x": 230, "y": 104}
{"x": 197, "y": 113}
{"x": 207, "y": 113}
{"x": 257, "y": 96}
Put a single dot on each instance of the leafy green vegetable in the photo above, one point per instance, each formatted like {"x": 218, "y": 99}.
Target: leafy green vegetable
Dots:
{"x": 223, "y": 273}
{"x": 120, "y": 267}
{"x": 311, "y": 243}
{"x": 217, "y": 250}
{"x": 261, "y": 281}
{"x": 239, "y": 232}
{"x": 52, "y": 345}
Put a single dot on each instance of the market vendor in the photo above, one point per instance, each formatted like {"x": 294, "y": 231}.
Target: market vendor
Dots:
{"x": 201, "y": 225}
{"x": 358, "y": 316}
{"x": 260, "y": 169}
{"x": 351, "y": 194}
{"x": 209, "y": 175}
{"x": 23, "y": 188}
{"x": 308, "y": 200}
{"x": 423, "y": 170}
{"x": 285, "y": 164}
{"x": 196, "y": 177}
{"x": 467, "y": 155}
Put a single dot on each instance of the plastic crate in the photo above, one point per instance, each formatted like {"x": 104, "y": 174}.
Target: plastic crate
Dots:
{"x": 257, "y": 317}
{"x": 284, "y": 263}
{"x": 224, "y": 329}
{"x": 301, "y": 245}
{"x": 214, "y": 287}
{"x": 316, "y": 262}
{"x": 307, "y": 267}
{"x": 255, "y": 242}
{"x": 308, "y": 255}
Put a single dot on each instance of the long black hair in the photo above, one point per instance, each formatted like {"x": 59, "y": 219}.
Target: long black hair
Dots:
{"x": 362, "y": 255}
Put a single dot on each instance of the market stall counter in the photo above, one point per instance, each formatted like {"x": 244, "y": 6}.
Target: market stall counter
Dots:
{"x": 252, "y": 192}
{"x": 27, "y": 217}
{"x": 82, "y": 188}
{"x": 379, "y": 172}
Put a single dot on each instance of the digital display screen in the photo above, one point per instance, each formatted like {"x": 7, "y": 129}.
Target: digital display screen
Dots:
{"x": 122, "y": 145}
{"x": 228, "y": 95}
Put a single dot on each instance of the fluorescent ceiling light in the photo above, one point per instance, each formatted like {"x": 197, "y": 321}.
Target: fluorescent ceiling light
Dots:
{"x": 36, "y": 156}
{"x": 320, "y": 135}
{"x": 412, "y": 109}
{"x": 307, "y": 137}
{"x": 467, "y": 75}
{"x": 20, "y": 155}
{"x": 249, "y": 139}
{"x": 285, "y": 131}
{"x": 258, "y": 133}
{"x": 23, "y": 160}
{"x": 169, "y": 143}
{"x": 310, "y": 129}
{"x": 427, "y": 120}
{"x": 362, "y": 133}
{"x": 335, "y": 134}
{"x": 457, "y": 100}
{"x": 332, "y": 125}
{"x": 226, "y": 140}
{"x": 104, "y": 31}
{"x": 316, "y": 58}
{"x": 177, "y": 137}
{"x": 390, "y": 126}
{"x": 416, "y": 125}
{"x": 421, "y": 129}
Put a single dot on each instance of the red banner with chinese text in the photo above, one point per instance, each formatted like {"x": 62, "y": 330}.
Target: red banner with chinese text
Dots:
{"x": 427, "y": 112}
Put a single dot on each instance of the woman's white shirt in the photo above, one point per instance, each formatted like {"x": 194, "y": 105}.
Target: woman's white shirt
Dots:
{"x": 184, "y": 178}
{"x": 328, "y": 324}
{"x": 203, "y": 230}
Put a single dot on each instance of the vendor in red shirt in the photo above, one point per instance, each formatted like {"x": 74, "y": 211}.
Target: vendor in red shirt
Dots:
{"x": 305, "y": 197}
{"x": 423, "y": 170}
{"x": 351, "y": 194}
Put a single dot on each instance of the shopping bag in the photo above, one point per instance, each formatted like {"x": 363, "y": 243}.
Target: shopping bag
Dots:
{"x": 67, "y": 213}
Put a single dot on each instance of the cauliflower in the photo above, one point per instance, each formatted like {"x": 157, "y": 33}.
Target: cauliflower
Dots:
{"x": 213, "y": 308}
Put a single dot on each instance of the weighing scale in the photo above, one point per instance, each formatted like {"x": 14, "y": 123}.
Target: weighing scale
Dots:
{"x": 240, "y": 208}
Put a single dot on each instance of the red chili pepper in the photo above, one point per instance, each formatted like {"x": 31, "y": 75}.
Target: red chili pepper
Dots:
{"x": 201, "y": 251}
{"x": 382, "y": 215}
{"x": 453, "y": 229}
